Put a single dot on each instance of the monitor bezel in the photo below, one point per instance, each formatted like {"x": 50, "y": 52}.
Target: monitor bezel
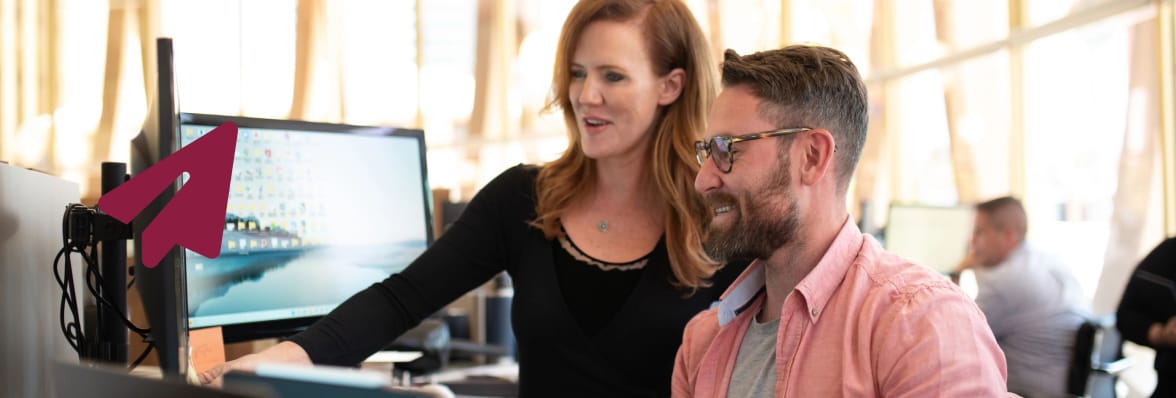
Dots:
{"x": 247, "y": 331}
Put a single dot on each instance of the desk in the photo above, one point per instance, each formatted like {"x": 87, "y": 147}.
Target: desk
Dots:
{"x": 101, "y": 381}
{"x": 271, "y": 380}
{"x": 493, "y": 380}
{"x": 507, "y": 371}
{"x": 147, "y": 371}
{"x": 463, "y": 379}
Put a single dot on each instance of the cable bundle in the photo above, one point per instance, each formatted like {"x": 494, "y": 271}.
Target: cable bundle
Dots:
{"x": 77, "y": 238}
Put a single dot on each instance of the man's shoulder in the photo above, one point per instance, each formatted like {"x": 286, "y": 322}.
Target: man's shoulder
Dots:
{"x": 703, "y": 326}
{"x": 893, "y": 274}
{"x": 905, "y": 297}
{"x": 700, "y": 333}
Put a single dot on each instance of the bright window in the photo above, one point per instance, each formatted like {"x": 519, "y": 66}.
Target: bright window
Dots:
{"x": 1077, "y": 101}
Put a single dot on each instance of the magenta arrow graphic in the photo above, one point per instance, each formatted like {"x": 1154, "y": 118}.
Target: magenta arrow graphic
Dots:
{"x": 195, "y": 216}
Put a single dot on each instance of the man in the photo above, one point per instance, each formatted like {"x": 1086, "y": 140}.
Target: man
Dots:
{"x": 822, "y": 311}
{"x": 1032, "y": 301}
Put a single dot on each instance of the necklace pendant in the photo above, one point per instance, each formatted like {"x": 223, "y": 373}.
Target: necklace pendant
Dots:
{"x": 603, "y": 226}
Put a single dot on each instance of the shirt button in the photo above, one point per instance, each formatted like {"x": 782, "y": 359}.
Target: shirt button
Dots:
{"x": 814, "y": 312}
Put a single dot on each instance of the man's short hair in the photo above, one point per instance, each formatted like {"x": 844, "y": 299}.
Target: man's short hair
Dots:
{"x": 808, "y": 86}
{"x": 1006, "y": 212}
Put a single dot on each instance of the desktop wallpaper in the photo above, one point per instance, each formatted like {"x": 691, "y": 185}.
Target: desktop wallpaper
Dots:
{"x": 312, "y": 218}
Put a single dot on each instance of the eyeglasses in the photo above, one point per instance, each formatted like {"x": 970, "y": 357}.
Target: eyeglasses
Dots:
{"x": 719, "y": 148}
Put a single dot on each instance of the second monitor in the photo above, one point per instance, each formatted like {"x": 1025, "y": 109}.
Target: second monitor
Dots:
{"x": 932, "y": 236}
{"x": 316, "y": 213}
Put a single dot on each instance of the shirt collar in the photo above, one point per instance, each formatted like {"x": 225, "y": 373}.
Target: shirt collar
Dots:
{"x": 817, "y": 287}
{"x": 740, "y": 294}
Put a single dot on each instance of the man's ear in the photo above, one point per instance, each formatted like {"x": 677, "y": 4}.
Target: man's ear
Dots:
{"x": 671, "y": 86}
{"x": 816, "y": 159}
{"x": 1010, "y": 236}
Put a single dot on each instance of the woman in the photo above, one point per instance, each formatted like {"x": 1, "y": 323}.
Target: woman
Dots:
{"x": 1147, "y": 312}
{"x": 602, "y": 244}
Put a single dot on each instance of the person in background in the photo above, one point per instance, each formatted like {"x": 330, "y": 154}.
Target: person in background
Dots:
{"x": 603, "y": 244}
{"x": 822, "y": 311}
{"x": 1147, "y": 312}
{"x": 1033, "y": 303}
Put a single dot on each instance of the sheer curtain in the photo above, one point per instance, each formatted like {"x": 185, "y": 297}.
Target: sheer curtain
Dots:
{"x": 1137, "y": 219}
{"x": 71, "y": 77}
{"x": 30, "y": 77}
{"x": 495, "y": 117}
{"x": 966, "y": 119}
{"x": 318, "y": 86}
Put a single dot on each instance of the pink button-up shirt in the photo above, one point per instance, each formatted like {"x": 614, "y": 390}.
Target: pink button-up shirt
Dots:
{"x": 863, "y": 323}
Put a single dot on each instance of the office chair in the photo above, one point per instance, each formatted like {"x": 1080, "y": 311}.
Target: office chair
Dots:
{"x": 1098, "y": 359}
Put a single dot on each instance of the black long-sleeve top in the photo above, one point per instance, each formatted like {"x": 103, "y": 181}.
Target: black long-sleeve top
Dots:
{"x": 1149, "y": 298}
{"x": 631, "y": 355}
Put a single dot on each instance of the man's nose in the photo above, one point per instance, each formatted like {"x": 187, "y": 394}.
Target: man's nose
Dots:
{"x": 708, "y": 178}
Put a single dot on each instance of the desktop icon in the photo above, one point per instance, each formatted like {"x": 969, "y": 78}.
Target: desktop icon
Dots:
{"x": 195, "y": 217}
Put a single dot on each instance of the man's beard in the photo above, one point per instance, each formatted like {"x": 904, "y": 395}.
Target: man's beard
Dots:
{"x": 758, "y": 229}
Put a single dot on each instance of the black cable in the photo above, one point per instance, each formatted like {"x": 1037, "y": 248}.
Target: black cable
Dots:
{"x": 66, "y": 301}
{"x": 72, "y": 329}
{"x": 142, "y": 356}
{"x": 99, "y": 320}
{"x": 131, "y": 283}
{"x": 94, "y": 276}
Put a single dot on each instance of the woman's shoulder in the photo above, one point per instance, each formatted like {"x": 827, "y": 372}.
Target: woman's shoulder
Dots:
{"x": 511, "y": 192}
{"x": 1161, "y": 259}
{"x": 518, "y": 178}
{"x": 1167, "y": 249}
{"x": 521, "y": 173}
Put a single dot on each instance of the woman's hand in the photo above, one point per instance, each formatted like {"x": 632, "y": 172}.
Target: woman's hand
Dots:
{"x": 1163, "y": 334}
{"x": 285, "y": 352}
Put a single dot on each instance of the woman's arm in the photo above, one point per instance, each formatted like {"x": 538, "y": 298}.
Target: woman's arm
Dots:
{"x": 1147, "y": 306}
{"x": 467, "y": 255}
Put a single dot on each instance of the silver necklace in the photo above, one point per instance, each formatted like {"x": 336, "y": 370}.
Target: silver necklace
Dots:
{"x": 603, "y": 226}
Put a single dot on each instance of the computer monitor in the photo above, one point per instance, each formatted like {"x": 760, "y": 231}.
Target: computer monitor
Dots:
{"x": 316, "y": 213}
{"x": 161, "y": 288}
{"x": 933, "y": 236}
{"x": 365, "y": 167}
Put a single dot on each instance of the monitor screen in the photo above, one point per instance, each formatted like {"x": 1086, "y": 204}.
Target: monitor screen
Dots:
{"x": 932, "y": 236}
{"x": 316, "y": 213}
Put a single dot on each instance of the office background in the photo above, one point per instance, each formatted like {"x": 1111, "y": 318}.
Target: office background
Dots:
{"x": 1066, "y": 103}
